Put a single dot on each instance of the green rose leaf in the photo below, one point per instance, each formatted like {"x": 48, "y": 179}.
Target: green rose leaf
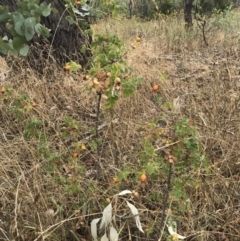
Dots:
{"x": 128, "y": 88}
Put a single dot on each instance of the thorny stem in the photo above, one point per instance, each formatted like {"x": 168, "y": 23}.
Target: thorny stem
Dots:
{"x": 97, "y": 164}
{"x": 165, "y": 200}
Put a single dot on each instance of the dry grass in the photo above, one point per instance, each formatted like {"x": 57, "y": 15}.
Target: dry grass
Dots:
{"x": 201, "y": 83}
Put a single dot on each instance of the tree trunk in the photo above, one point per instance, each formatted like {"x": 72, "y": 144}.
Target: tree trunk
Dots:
{"x": 131, "y": 6}
{"x": 237, "y": 3}
{"x": 188, "y": 13}
{"x": 145, "y": 12}
{"x": 65, "y": 41}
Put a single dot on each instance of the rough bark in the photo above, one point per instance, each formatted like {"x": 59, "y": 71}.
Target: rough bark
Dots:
{"x": 145, "y": 10}
{"x": 188, "y": 13}
{"x": 65, "y": 41}
{"x": 131, "y": 6}
{"x": 237, "y": 3}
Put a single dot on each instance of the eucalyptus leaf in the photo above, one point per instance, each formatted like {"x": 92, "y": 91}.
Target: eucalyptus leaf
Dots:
{"x": 172, "y": 229}
{"x": 136, "y": 215}
{"x": 18, "y": 42}
{"x": 5, "y": 38}
{"x": 38, "y": 12}
{"x": 47, "y": 10}
{"x": 19, "y": 27}
{"x": 124, "y": 192}
{"x": 5, "y": 17}
{"x": 29, "y": 24}
{"x": 42, "y": 30}
{"x": 12, "y": 30}
{"x": 23, "y": 5}
{"x": 106, "y": 217}
{"x": 4, "y": 47}
{"x": 85, "y": 8}
{"x": 32, "y": 6}
{"x": 24, "y": 51}
{"x": 54, "y": 10}
{"x": 38, "y": 28}
{"x": 14, "y": 52}
{"x": 17, "y": 17}
{"x": 77, "y": 12}
{"x": 94, "y": 228}
{"x": 104, "y": 238}
{"x": 70, "y": 20}
{"x": 3, "y": 9}
{"x": 113, "y": 234}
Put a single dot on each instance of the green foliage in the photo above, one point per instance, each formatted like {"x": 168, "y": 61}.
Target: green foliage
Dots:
{"x": 169, "y": 6}
{"x": 149, "y": 9}
{"x": 71, "y": 183}
{"x": 20, "y": 106}
{"x": 210, "y": 6}
{"x": 78, "y": 14}
{"x": 185, "y": 154}
{"x": 109, "y": 72}
{"x": 101, "y": 9}
{"x": 72, "y": 123}
{"x": 71, "y": 128}
{"x": 191, "y": 161}
{"x": 188, "y": 152}
{"x": 22, "y": 25}
{"x": 149, "y": 160}
{"x": 33, "y": 129}
{"x": 123, "y": 175}
{"x": 37, "y": 132}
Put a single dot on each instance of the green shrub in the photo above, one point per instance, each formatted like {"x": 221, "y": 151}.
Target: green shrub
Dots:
{"x": 22, "y": 25}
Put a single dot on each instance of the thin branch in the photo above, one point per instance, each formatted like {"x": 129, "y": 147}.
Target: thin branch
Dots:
{"x": 165, "y": 201}
{"x": 99, "y": 94}
{"x": 15, "y": 227}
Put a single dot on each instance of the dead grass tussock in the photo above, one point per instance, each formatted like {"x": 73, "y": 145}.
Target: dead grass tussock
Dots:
{"x": 200, "y": 83}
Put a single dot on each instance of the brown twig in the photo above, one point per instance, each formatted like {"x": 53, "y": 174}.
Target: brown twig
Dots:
{"x": 165, "y": 201}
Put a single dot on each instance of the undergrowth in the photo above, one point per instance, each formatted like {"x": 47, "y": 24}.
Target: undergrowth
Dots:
{"x": 175, "y": 149}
